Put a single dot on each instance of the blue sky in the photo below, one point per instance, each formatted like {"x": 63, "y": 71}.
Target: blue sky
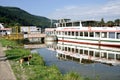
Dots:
{"x": 73, "y": 9}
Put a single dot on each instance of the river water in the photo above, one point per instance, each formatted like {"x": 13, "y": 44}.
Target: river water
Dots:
{"x": 97, "y": 70}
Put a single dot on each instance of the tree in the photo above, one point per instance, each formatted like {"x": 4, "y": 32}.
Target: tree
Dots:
{"x": 117, "y": 22}
{"x": 110, "y": 23}
{"x": 102, "y": 22}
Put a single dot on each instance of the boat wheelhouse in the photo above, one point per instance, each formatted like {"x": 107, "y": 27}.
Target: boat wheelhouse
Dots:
{"x": 86, "y": 32}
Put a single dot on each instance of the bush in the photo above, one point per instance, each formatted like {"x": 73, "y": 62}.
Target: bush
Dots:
{"x": 36, "y": 60}
{"x": 17, "y": 53}
{"x": 5, "y": 42}
{"x": 72, "y": 76}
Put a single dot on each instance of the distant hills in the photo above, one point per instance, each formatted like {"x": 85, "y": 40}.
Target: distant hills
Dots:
{"x": 15, "y": 16}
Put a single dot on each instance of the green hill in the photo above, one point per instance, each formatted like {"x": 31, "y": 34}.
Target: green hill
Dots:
{"x": 12, "y": 16}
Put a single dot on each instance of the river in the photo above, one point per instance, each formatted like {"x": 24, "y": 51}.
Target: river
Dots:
{"x": 98, "y": 70}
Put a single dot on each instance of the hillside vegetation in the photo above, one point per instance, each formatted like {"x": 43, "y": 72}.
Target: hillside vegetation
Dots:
{"x": 12, "y": 16}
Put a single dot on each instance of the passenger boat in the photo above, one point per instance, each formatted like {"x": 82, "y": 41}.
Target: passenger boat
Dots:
{"x": 85, "y": 32}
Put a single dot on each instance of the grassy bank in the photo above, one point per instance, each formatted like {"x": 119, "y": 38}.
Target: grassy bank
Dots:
{"x": 37, "y": 70}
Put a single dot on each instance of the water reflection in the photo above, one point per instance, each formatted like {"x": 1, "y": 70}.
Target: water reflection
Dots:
{"x": 86, "y": 54}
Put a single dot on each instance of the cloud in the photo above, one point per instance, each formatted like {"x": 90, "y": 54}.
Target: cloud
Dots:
{"x": 109, "y": 11}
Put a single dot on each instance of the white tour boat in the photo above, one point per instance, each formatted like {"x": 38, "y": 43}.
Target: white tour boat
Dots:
{"x": 85, "y": 32}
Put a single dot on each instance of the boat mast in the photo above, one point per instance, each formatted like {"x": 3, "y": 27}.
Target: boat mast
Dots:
{"x": 80, "y": 24}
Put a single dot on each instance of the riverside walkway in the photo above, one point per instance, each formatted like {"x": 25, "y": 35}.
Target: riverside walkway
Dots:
{"x": 6, "y": 72}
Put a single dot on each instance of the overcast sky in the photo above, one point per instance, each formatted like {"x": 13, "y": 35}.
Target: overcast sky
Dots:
{"x": 73, "y": 9}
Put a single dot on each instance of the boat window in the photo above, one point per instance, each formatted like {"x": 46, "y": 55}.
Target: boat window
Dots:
{"x": 117, "y": 56}
{"x": 91, "y": 53}
{"x": 65, "y": 48}
{"x": 118, "y": 35}
{"x": 62, "y": 48}
{"x": 86, "y": 52}
{"x": 69, "y": 33}
{"x": 91, "y": 34}
{"x": 97, "y": 54}
{"x": 65, "y": 32}
{"x": 89, "y": 23}
{"x": 111, "y": 34}
{"x": 61, "y": 25}
{"x": 81, "y": 33}
{"x": 103, "y": 55}
{"x": 68, "y": 49}
{"x": 76, "y": 50}
{"x": 76, "y": 24}
{"x": 56, "y": 32}
{"x": 104, "y": 35}
{"x": 59, "y": 48}
{"x": 72, "y": 33}
{"x": 97, "y": 34}
{"x": 110, "y": 56}
{"x": 68, "y": 24}
{"x": 81, "y": 51}
{"x": 76, "y": 33}
{"x": 86, "y": 34}
{"x": 73, "y": 50}
{"x": 64, "y": 24}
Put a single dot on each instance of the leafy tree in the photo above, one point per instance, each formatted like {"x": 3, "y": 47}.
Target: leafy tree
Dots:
{"x": 102, "y": 22}
{"x": 110, "y": 23}
{"x": 117, "y": 22}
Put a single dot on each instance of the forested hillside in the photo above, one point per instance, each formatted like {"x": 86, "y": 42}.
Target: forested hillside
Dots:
{"x": 12, "y": 16}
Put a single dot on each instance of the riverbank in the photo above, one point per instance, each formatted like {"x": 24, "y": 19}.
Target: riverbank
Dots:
{"x": 37, "y": 70}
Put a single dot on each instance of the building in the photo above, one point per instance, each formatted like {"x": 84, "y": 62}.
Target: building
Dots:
{"x": 30, "y": 29}
{"x": 4, "y": 31}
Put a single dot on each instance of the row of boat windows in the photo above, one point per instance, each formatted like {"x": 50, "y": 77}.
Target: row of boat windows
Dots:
{"x": 74, "y": 24}
{"x": 113, "y": 35}
{"x": 90, "y": 53}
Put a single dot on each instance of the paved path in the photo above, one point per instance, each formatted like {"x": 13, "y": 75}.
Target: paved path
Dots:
{"x": 6, "y": 72}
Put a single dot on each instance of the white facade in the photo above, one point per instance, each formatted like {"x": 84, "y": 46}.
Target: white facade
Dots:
{"x": 30, "y": 29}
{"x": 5, "y": 31}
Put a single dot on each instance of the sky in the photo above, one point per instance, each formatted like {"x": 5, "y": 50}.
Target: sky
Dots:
{"x": 72, "y": 9}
